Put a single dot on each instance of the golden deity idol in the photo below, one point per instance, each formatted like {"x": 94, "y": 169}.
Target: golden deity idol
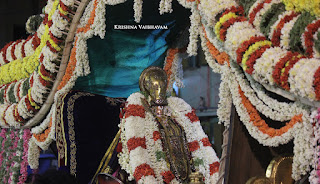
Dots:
{"x": 153, "y": 83}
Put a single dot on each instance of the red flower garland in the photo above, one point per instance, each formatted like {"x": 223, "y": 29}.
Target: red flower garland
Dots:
{"x": 192, "y": 116}
{"x": 31, "y": 81}
{"x": 256, "y": 10}
{"x": 29, "y": 106}
{"x": 54, "y": 39}
{"x": 135, "y": 110}
{"x": 156, "y": 135}
{"x": 168, "y": 176}
{"x": 225, "y": 26}
{"x": 246, "y": 44}
{"x": 276, "y": 74}
{"x": 206, "y": 142}
{"x": 3, "y": 115}
{"x": 18, "y": 91}
{"x": 277, "y": 31}
{"x": 119, "y": 147}
{"x": 193, "y": 146}
{"x": 308, "y": 41}
{"x": 253, "y": 58}
{"x": 316, "y": 83}
{"x": 35, "y": 41}
{"x": 237, "y": 10}
{"x": 214, "y": 167}
{"x": 4, "y": 52}
{"x": 51, "y": 48}
{"x": 285, "y": 75}
{"x": 134, "y": 142}
{"x": 14, "y": 48}
{"x": 143, "y": 170}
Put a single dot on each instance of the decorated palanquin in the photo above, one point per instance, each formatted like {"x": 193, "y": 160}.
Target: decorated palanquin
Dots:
{"x": 261, "y": 48}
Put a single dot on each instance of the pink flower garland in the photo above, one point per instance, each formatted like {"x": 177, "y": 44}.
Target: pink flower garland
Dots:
{"x": 24, "y": 163}
{"x": 3, "y": 135}
{"x": 15, "y": 137}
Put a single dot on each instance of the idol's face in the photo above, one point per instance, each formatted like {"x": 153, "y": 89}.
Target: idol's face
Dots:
{"x": 157, "y": 86}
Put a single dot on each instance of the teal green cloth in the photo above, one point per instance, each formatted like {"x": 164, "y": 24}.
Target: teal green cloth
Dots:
{"x": 117, "y": 61}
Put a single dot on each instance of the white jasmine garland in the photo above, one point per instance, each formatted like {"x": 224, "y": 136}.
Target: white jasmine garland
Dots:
{"x": 290, "y": 108}
{"x": 264, "y": 66}
{"x": 266, "y": 7}
{"x": 33, "y": 154}
{"x": 99, "y": 25}
{"x": 285, "y": 33}
{"x": 137, "y": 7}
{"x": 185, "y": 3}
{"x": 58, "y": 21}
{"x": 114, "y": 2}
{"x": 86, "y": 14}
{"x": 225, "y": 98}
{"x": 165, "y": 6}
{"x": 262, "y": 138}
{"x": 314, "y": 178}
{"x": 213, "y": 39}
{"x": 301, "y": 77}
{"x": 268, "y": 111}
{"x": 237, "y": 34}
{"x": 302, "y": 148}
{"x": 195, "y": 20}
{"x": 44, "y": 145}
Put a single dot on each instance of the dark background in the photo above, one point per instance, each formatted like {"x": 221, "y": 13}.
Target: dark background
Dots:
{"x": 13, "y": 16}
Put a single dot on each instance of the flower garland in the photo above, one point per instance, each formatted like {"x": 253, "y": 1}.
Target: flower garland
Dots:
{"x": 173, "y": 69}
{"x": 276, "y": 28}
{"x": 311, "y": 6}
{"x": 255, "y": 16}
{"x": 142, "y": 153}
{"x": 13, "y": 162}
{"x": 278, "y": 114}
{"x": 308, "y": 39}
{"x": 315, "y": 174}
{"x": 298, "y": 128}
{"x": 46, "y": 46}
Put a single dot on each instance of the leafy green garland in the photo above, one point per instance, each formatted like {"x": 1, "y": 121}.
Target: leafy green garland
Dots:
{"x": 12, "y": 96}
{"x": 298, "y": 29}
{"x": 270, "y": 17}
{"x": 247, "y": 5}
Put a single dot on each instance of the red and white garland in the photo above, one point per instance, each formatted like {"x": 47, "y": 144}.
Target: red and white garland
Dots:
{"x": 141, "y": 142}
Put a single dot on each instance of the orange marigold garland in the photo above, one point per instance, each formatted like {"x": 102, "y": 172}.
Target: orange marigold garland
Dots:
{"x": 258, "y": 122}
